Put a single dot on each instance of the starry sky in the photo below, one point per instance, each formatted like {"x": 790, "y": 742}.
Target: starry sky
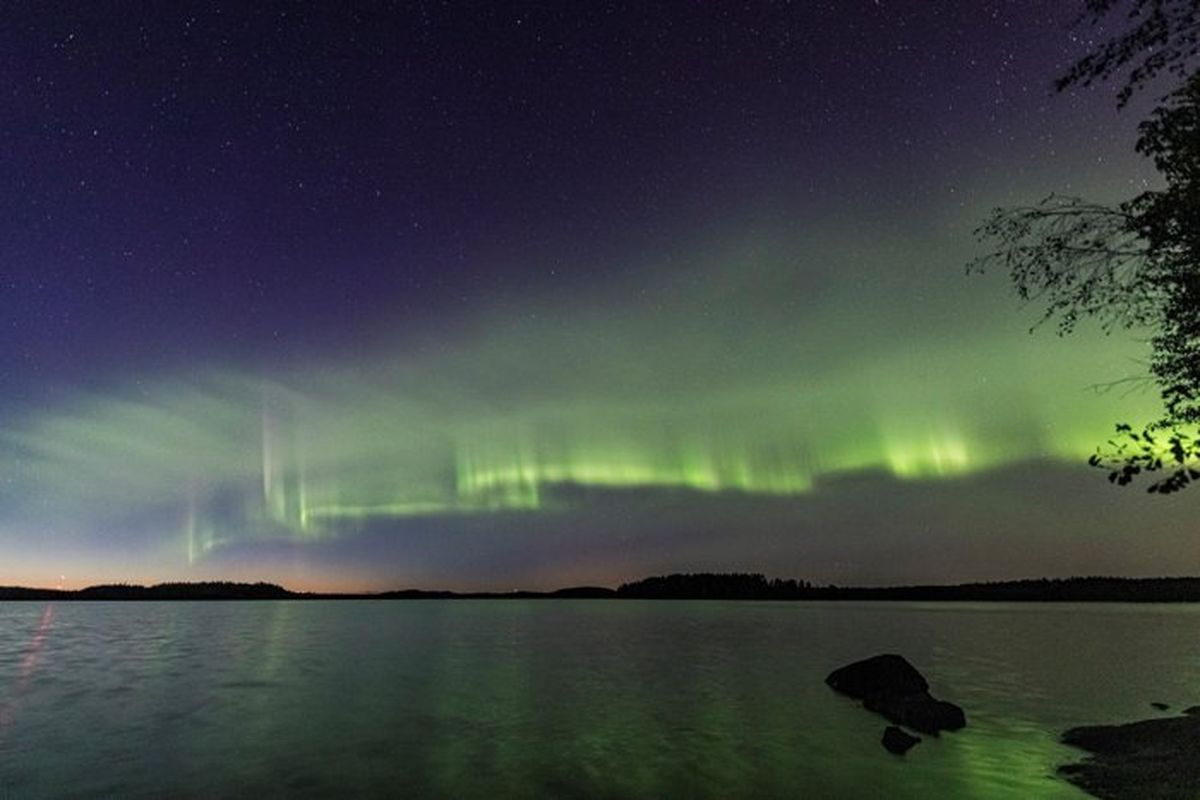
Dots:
{"x": 484, "y": 295}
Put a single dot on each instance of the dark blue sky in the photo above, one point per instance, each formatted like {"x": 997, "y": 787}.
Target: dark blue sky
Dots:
{"x": 187, "y": 181}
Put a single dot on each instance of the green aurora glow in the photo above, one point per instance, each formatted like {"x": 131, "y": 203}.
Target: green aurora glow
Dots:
{"x": 741, "y": 374}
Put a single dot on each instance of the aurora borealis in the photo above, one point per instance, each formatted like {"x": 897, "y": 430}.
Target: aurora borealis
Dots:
{"x": 348, "y": 299}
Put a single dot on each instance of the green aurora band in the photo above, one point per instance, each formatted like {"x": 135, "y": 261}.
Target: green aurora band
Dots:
{"x": 743, "y": 374}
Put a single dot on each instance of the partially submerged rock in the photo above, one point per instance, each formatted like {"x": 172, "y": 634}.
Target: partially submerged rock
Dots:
{"x": 921, "y": 712}
{"x": 887, "y": 684}
{"x": 887, "y": 674}
{"x": 1151, "y": 758}
{"x": 1159, "y": 706}
{"x": 898, "y": 741}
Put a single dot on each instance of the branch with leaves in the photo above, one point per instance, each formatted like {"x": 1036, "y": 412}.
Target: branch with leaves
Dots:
{"x": 1076, "y": 259}
{"x": 1151, "y": 450}
{"x": 1163, "y": 36}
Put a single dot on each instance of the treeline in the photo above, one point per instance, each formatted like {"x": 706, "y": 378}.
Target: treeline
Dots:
{"x": 682, "y": 586}
{"x": 715, "y": 586}
{"x": 1095, "y": 589}
{"x": 753, "y": 586}
{"x": 229, "y": 590}
{"x": 204, "y": 590}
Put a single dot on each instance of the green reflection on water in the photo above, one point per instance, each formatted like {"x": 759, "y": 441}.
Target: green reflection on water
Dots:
{"x": 564, "y": 699}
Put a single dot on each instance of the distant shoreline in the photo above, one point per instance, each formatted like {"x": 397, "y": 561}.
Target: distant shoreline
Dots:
{"x": 698, "y": 586}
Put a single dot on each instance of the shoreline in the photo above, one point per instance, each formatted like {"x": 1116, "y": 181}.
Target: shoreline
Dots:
{"x": 704, "y": 586}
{"x": 1152, "y": 757}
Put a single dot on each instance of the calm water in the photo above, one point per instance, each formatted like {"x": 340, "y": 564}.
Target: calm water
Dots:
{"x": 559, "y": 699}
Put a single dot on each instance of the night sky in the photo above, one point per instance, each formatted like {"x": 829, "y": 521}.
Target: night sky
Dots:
{"x": 501, "y": 294}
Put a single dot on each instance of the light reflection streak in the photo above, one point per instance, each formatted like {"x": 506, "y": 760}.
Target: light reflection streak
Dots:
{"x": 29, "y": 663}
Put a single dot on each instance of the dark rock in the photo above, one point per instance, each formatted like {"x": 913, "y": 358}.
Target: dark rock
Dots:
{"x": 898, "y": 741}
{"x": 1192, "y": 711}
{"x": 889, "y": 685}
{"x": 886, "y": 674}
{"x": 1160, "y": 706}
{"x": 920, "y": 712}
{"x": 1151, "y": 758}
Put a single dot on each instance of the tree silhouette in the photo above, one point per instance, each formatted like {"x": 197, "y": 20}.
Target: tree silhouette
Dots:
{"x": 1136, "y": 264}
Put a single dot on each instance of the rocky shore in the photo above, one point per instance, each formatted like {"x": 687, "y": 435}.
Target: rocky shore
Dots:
{"x": 1153, "y": 758}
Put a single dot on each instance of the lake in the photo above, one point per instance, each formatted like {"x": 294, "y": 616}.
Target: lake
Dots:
{"x": 562, "y": 698}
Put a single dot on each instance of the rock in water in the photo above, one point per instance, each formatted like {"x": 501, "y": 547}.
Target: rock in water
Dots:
{"x": 887, "y": 684}
{"x": 1160, "y": 706}
{"x": 887, "y": 674}
{"x": 918, "y": 711}
{"x": 897, "y": 741}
